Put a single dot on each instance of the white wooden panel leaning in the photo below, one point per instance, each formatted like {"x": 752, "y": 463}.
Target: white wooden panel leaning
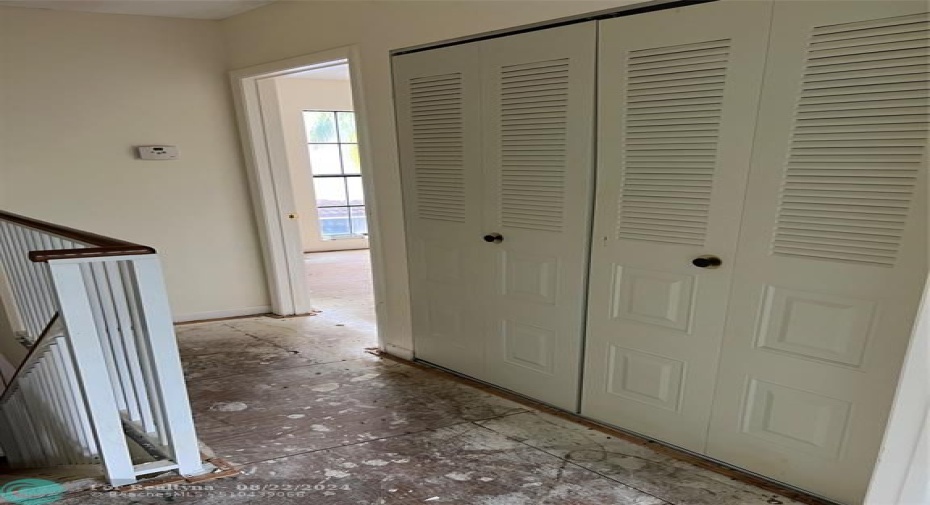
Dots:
{"x": 103, "y": 370}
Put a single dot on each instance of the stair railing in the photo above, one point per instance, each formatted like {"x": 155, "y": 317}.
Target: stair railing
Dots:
{"x": 104, "y": 362}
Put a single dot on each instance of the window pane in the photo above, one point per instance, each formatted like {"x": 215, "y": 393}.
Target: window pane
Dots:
{"x": 347, "y": 127}
{"x": 320, "y": 126}
{"x": 356, "y": 196}
{"x": 324, "y": 159}
{"x": 359, "y": 221}
{"x": 350, "y": 158}
{"x": 330, "y": 191}
{"x": 334, "y": 223}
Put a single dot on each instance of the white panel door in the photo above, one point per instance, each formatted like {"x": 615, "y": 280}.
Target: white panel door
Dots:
{"x": 437, "y": 96}
{"x": 832, "y": 252}
{"x": 678, "y": 91}
{"x": 538, "y": 163}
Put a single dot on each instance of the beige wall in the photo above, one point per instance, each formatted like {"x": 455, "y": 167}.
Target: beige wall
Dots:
{"x": 287, "y": 28}
{"x": 295, "y": 95}
{"x": 77, "y": 91}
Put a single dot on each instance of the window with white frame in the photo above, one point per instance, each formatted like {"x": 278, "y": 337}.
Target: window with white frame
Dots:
{"x": 337, "y": 180}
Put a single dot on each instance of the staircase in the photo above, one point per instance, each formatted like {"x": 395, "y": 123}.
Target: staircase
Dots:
{"x": 101, "y": 388}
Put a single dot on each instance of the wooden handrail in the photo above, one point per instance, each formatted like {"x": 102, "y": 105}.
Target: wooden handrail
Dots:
{"x": 100, "y": 245}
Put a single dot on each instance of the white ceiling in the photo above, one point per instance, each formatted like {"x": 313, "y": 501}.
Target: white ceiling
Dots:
{"x": 196, "y": 9}
{"x": 333, "y": 73}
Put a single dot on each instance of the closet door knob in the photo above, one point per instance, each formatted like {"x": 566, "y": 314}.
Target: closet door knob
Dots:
{"x": 494, "y": 238}
{"x": 706, "y": 262}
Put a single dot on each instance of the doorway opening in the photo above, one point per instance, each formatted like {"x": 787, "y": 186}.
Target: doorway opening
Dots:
{"x": 304, "y": 124}
{"x": 320, "y": 136}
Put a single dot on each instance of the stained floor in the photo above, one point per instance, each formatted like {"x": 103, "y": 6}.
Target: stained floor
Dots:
{"x": 310, "y": 417}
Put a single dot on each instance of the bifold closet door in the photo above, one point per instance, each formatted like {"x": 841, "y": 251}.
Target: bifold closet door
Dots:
{"x": 496, "y": 144}
{"x": 832, "y": 253}
{"x": 437, "y": 96}
{"x": 538, "y": 163}
{"x": 678, "y": 92}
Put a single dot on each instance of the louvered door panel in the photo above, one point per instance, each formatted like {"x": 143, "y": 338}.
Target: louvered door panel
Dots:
{"x": 858, "y": 141}
{"x": 437, "y": 96}
{"x": 678, "y": 92}
{"x": 673, "y": 105}
{"x": 538, "y": 162}
{"x": 438, "y": 158}
{"x": 832, "y": 253}
{"x": 534, "y": 109}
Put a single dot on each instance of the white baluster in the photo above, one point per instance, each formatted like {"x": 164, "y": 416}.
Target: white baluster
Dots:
{"x": 51, "y": 415}
{"x": 127, "y": 337}
{"x": 38, "y": 274}
{"x": 168, "y": 373}
{"x": 100, "y": 325}
{"x": 85, "y": 347}
{"x": 110, "y": 337}
{"x": 146, "y": 360}
{"x": 70, "y": 375}
{"x": 36, "y": 413}
{"x": 64, "y": 425}
{"x": 70, "y": 417}
{"x": 16, "y": 272}
{"x": 22, "y": 238}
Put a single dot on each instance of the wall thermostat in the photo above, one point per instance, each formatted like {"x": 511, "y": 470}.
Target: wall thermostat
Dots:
{"x": 157, "y": 152}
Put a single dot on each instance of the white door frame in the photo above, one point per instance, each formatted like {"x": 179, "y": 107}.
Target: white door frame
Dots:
{"x": 270, "y": 180}
{"x": 900, "y": 472}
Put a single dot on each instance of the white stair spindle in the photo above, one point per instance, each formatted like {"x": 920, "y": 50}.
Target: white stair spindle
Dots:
{"x": 127, "y": 338}
{"x": 100, "y": 326}
{"x": 85, "y": 347}
{"x": 169, "y": 374}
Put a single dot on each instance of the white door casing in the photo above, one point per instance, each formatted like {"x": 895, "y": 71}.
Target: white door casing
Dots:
{"x": 438, "y": 101}
{"x": 832, "y": 251}
{"x": 538, "y": 144}
{"x": 678, "y": 92}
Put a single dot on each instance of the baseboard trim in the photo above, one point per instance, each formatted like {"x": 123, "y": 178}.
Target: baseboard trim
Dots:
{"x": 222, "y": 314}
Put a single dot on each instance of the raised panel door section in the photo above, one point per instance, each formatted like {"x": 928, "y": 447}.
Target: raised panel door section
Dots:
{"x": 795, "y": 418}
{"x": 651, "y": 297}
{"x": 678, "y": 91}
{"x": 832, "y": 253}
{"x": 437, "y": 95}
{"x": 538, "y": 168}
{"x": 646, "y": 378}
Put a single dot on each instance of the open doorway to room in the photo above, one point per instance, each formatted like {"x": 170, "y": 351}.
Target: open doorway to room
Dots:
{"x": 320, "y": 136}
{"x": 304, "y": 128}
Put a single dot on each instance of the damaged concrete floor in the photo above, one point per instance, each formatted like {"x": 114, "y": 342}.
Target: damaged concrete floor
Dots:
{"x": 311, "y": 418}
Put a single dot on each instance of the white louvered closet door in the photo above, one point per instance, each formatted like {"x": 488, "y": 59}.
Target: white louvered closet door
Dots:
{"x": 437, "y": 96}
{"x": 678, "y": 92}
{"x": 538, "y": 164}
{"x": 832, "y": 252}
